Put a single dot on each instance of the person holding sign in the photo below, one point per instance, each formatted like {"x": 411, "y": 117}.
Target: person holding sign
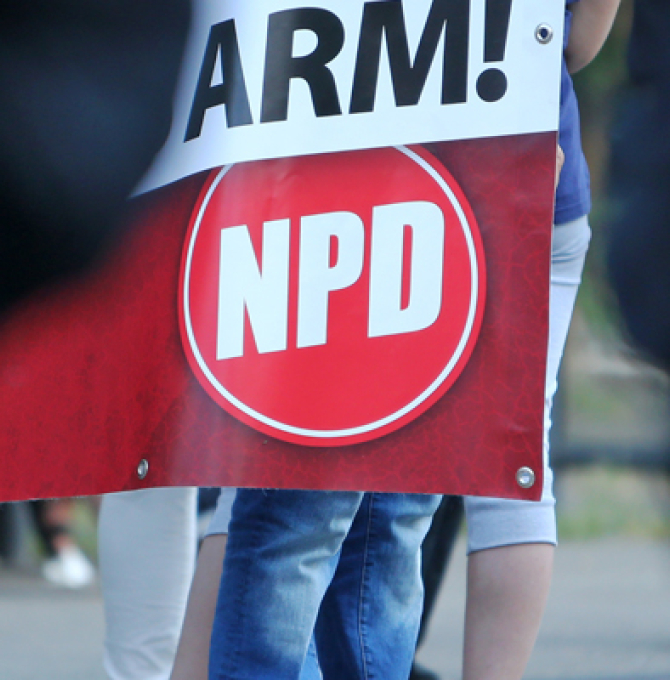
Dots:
{"x": 510, "y": 543}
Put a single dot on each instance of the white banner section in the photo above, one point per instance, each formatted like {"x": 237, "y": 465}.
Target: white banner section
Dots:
{"x": 277, "y": 78}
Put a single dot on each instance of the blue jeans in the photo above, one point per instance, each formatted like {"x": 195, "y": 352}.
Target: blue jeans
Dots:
{"x": 350, "y": 559}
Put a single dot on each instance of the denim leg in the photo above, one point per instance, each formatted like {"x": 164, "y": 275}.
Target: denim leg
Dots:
{"x": 311, "y": 669}
{"x": 282, "y": 551}
{"x": 369, "y": 619}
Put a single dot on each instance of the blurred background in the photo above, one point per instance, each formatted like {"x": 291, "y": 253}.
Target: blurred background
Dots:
{"x": 612, "y": 419}
{"x": 609, "y": 613}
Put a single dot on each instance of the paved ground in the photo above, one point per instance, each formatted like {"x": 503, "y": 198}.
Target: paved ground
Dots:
{"x": 48, "y": 633}
{"x": 608, "y": 615}
{"x": 608, "y": 619}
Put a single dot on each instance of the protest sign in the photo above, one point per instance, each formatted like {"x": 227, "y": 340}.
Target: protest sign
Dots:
{"x": 335, "y": 275}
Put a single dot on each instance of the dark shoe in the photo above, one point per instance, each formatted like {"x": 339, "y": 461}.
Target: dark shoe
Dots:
{"x": 419, "y": 672}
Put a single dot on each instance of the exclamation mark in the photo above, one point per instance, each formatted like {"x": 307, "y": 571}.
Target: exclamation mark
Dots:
{"x": 492, "y": 83}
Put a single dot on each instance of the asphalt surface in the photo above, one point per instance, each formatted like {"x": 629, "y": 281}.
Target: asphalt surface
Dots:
{"x": 608, "y": 619}
{"x": 608, "y": 616}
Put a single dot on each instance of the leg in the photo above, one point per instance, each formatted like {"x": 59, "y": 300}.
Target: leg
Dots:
{"x": 507, "y": 592}
{"x": 436, "y": 551}
{"x": 510, "y": 543}
{"x": 193, "y": 651}
{"x": 511, "y": 550}
{"x": 435, "y": 555}
{"x": 282, "y": 551}
{"x": 9, "y": 538}
{"x": 147, "y": 542}
{"x": 192, "y": 657}
{"x": 369, "y": 619}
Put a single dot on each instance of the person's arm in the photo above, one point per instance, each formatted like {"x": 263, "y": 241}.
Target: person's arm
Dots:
{"x": 591, "y": 24}
{"x": 560, "y": 160}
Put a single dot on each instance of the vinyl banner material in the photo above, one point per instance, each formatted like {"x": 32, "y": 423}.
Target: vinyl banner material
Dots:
{"x": 335, "y": 275}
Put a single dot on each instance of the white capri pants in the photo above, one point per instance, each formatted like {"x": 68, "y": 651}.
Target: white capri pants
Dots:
{"x": 494, "y": 522}
{"x": 147, "y": 544}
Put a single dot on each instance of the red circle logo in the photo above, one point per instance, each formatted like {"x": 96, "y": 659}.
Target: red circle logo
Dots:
{"x": 331, "y": 299}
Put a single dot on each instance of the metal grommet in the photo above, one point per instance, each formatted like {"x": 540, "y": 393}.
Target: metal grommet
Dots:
{"x": 525, "y": 477}
{"x": 544, "y": 34}
{"x": 143, "y": 468}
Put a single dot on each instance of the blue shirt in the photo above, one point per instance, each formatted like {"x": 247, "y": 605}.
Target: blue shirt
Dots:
{"x": 573, "y": 194}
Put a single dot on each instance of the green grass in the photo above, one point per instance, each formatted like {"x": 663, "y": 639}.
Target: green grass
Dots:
{"x": 600, "y": 501}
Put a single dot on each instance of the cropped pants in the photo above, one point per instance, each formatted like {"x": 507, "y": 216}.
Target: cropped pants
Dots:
{"x": 493, "y": 522}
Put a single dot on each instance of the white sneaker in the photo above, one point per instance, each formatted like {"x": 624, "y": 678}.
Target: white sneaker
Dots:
{"x": 70, "y": 568}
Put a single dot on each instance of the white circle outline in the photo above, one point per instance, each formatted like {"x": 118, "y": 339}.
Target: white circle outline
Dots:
{"x": 382, "y": 422}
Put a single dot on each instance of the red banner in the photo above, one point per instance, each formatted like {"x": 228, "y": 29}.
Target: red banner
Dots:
{"x": 157, "y": 371}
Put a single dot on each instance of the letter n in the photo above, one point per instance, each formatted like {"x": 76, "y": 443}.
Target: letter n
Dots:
{"x": 242, "y": 287}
